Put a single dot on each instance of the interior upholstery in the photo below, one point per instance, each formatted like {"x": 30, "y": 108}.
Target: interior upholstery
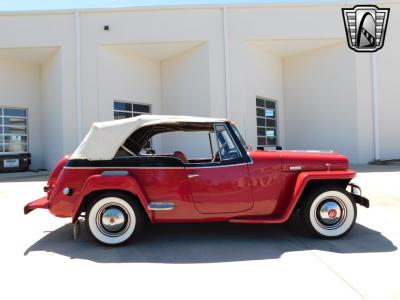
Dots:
{"x": 181, "y": 156}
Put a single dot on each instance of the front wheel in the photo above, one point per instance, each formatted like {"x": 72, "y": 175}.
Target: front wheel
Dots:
{"x": 113, "y": 219}
{"x": 329, "y": 212}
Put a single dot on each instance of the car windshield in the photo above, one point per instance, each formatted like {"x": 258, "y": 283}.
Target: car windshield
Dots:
{"x": 239, "y": 136}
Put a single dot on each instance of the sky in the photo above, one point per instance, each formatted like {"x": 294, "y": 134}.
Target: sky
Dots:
{"x": 24, "y": 5}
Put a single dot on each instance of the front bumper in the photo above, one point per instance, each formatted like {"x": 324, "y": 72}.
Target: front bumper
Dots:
{"x": 357, "y": 195}
{"x": 38, "y": 203}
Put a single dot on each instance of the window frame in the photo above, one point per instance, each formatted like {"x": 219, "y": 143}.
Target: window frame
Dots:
{"x": 3, "y": 134}
{"x": 233, "y": 141}
{"x": 265, "y": 118}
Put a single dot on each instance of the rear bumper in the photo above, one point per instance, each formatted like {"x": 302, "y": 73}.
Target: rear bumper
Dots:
{"x": 38, "y": 203}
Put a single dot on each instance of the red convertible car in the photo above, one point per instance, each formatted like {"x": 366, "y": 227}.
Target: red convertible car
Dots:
{"x": 116, "y": 184}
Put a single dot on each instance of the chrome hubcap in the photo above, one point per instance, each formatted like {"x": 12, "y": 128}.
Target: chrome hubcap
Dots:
{"x": 330, "y": 213}
{"x": 112, "y": 219}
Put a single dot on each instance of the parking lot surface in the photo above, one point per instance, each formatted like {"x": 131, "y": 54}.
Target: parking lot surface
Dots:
{"x": 40, "y": 259}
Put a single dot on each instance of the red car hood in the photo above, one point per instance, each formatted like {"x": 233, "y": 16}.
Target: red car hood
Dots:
{"x": 313, "y": 161}
{"x": 306, "y": 160}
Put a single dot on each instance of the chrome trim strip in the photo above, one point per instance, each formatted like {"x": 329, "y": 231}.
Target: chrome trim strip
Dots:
{"x": 114, "y": 173}
{"x": 220, "y": 166}
{"x": 295, "y": 168}
{"x": 173, "y": 168}
{"x": 193, "y": 175}
{"x": 124, "y": 168}
{"x": 161, "y": 206}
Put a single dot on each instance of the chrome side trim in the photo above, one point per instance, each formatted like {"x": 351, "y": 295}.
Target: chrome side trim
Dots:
{"x": 124, "y": 168}
{"x": 114, "y": 173}
{"x": 161, "y": 206}
{"x": 295, "y": 168}
{"x": 157, "y": 168}
{"x": 218, "y": 166}
{"x": 193, "y": 175}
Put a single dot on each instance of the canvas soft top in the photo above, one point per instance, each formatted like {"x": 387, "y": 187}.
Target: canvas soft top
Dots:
{"x": 105, "y": 138}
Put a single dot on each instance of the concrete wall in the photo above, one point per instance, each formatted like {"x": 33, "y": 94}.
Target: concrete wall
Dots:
{"x": 388, "y": 71}
{"x": 20, "y": 87}
{"x": 127, "y": 77}
{"x": 320, "y": 106}
{"x": 274, "y": 51}
{"x": 32, "y": 32}
{"x": 51, "y": 110}
{"x": 264, "y": 78}
{"x": 146, "y": 27}
{"x": 186, "y": 91}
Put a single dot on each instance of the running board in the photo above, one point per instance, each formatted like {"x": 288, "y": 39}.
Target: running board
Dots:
{"x": 161, "y": 206}
{"x": 259, "y": 220}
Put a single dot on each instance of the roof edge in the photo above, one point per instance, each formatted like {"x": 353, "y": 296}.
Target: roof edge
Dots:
{"x": 195, "y": 6}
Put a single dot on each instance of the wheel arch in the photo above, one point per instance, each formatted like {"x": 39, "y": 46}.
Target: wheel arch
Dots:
{"x": 314, "y": 183}
{"x": 97, "y": 185}
{"x": 307, "y": 180}
{"x": 87, "y": 198}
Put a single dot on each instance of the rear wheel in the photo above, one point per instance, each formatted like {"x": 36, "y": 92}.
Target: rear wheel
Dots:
{"x": 329, "y": 212}
{"x": 113, "y": 219}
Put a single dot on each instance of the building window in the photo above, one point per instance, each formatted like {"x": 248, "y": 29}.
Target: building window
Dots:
{"x": 123, "y": 109}
{"x": 13, "y": 130}
{"x": 266, "y": 111}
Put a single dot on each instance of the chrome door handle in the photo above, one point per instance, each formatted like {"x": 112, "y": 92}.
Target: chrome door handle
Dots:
{"x": 193, "y": 175}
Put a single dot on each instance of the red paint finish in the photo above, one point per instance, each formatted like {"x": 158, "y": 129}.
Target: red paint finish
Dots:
{"x": 266, "y": 190}
{"x": 266, "y": 181}
{"x": 311, "y": 161}
{"x": 221, "y": 189}
{"x": 290, "y": 198}
{"x": 39, "y": 203}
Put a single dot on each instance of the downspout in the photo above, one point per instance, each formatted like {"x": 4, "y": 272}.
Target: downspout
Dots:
{"x": 78, "y": 99}
{"x": 226, "y": 64}
{"x": 375, "y": 104}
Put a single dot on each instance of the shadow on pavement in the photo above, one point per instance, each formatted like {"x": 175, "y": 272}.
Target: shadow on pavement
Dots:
{"x": 209, "y": 243}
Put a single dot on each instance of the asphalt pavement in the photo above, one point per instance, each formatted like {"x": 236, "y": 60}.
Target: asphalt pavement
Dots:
{"x": 40, "y": 259}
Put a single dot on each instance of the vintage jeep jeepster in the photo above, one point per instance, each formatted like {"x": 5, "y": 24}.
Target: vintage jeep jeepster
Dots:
{"x": 116, "y": 184}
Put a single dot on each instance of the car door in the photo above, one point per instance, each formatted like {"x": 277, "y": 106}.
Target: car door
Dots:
{"x": 222, "y": 186}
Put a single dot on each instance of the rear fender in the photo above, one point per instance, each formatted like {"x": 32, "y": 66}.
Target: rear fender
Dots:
{"x": 305, "y": 177}
{"x": 127, "y": 183}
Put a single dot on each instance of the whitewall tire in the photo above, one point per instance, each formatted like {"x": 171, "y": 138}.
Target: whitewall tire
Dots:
{"x": 113, "y": 219}
{"x": 329, "y": 212}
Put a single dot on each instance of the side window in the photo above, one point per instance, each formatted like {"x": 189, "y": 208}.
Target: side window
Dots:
{"x": 227, "y": 147}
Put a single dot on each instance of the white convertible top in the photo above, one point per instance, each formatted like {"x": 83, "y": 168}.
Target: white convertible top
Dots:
{"x": 105, "y": 138}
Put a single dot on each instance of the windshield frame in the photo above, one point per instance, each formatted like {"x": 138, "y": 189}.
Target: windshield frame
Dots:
{"x": 238, "y": 135}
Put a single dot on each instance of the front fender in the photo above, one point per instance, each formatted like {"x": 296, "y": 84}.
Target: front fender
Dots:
{"x": 304, "y": 177}
{"x": 125, "y": 183}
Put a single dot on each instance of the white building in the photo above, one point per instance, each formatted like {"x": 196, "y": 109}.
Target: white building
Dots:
{"x": 69, "y": 69}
